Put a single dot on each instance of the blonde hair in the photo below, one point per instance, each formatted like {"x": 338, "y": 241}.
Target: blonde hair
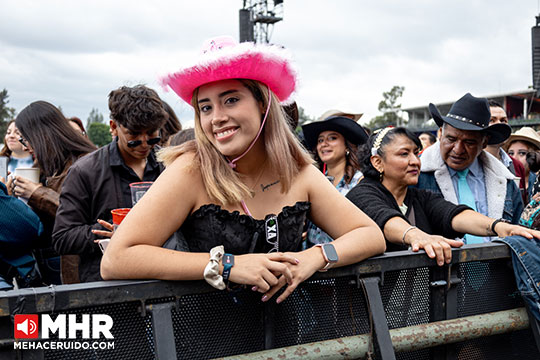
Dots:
{"x": 286, "y": 156}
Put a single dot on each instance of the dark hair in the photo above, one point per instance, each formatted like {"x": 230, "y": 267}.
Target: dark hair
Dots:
{"x": 171, "y": 126}
{"x": 292, "y": 115}
{"x": 137, "y": 108}
{"x": 432, "y": 138}
{"x": 533, "y": 159}
{"x": 54, "y": 141}
{"x": 5, "y": 150}
{"x": 182, "y": 136}
{"x": 368, "y": 169}
{"x": 493, "y": 103}
{"x": 79, "y": 123}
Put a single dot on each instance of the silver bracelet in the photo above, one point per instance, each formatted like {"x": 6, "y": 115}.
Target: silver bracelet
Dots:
{"x": 211, "y": 271}
{"x": 405, "y": 233}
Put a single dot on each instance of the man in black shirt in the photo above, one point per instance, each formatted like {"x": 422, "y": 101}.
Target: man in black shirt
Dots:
{"x": 99, "y": 182}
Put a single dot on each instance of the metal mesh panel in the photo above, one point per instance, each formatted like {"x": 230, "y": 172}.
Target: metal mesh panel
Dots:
{"x": 132, "y": 335}
{"x": 486, "y": 287}
{"x": 405, "y": 296}
{"x": 214, "y": 325}
{"x": 321, "y": 310}
{"x": 406, "y": 301}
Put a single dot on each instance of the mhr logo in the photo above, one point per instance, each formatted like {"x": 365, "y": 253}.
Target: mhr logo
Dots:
{"x": 27, "y": 326}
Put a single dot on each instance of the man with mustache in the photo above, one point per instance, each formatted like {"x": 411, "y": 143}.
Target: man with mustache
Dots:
{"x": 462, "y": 171}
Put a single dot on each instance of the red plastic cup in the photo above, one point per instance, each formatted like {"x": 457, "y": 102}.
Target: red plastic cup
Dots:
{"x": 118, "y": 215}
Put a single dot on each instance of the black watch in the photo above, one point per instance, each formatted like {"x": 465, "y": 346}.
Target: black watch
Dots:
{"x": 493, "y": 224}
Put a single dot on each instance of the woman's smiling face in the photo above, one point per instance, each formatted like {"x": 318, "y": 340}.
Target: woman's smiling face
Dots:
{"x": 331, "y": 147}
{"x": 229, "y": 114}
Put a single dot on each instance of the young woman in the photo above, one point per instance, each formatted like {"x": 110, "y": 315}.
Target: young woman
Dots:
{"x": 335, "y": 142}
{"x": 13, "y": 149}
{"x": 47, "y": 135}
{"x": 415, "y": 217}
{"x": 519, "y": 144}
{"x": 224, "y": 189}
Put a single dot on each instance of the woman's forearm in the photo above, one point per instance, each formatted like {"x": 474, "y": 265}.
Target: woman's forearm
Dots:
{"x": 152, "y": 262}
{"x": 359, "y": 244}
{"x": 396, "y": 229}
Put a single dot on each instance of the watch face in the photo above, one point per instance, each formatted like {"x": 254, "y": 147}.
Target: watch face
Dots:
{"x": 330, "y": 252}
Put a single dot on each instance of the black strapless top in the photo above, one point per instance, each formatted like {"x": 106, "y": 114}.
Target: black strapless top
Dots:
{"x": 210, "y": 226}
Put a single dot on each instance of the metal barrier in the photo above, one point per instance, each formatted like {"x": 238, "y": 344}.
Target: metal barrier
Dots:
{"x": 392, "y": 304}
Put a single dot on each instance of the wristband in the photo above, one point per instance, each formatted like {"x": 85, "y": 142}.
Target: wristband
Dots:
{"x": 405, "y": 233}
{"x": 228, "y": 263}
{"x": 493, "y": 224}
{"x": 211, "y": 271}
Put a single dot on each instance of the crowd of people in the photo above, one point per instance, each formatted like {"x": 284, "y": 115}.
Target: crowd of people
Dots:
{"x": 245, "y": 200}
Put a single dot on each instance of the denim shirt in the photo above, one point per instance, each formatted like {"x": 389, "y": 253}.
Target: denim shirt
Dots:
{"x": 526, "y": 264}
{"x": 513, "y": 205}
{"x": 314, "y": 234}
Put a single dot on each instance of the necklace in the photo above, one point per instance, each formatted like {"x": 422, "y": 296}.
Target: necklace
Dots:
{"x": 252, "y": 188}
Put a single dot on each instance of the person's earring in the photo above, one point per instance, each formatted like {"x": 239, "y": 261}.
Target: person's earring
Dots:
{"x": 381, "y": 175}
{"x": 347, "y": 152}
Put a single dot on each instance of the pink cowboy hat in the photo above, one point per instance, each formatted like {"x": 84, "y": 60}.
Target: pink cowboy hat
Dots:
{"x": 223, "y": 58}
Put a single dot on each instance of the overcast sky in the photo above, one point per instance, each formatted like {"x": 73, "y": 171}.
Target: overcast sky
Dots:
{"x": 73, "y": 53}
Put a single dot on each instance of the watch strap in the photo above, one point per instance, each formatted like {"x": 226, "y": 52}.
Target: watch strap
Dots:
{"x": 329, "y": 263}
{"x": 228, "y": 263}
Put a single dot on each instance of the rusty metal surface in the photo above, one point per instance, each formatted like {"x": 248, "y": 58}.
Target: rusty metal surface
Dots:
{"x": 457, "y": 330}
{"x": 404, "y": 339}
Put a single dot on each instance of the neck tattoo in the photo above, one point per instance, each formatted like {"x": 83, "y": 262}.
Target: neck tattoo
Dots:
{"x": 265, "y": 187}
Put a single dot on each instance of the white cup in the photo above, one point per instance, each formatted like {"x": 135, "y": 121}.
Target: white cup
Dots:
{"x": 31, "y": 174}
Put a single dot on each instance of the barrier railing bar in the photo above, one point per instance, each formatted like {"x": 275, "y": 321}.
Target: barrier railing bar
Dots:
{"x": 107, "y": 292}
{"x": 379, "y": 324}
{"x": 162, "y": 328}
{"x": 404, "y": 339}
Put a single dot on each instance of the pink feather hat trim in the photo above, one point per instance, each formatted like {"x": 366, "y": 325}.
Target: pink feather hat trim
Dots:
{"x": 222, "y": 58}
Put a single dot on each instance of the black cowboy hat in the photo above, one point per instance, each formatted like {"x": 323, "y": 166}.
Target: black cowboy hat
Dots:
{"x": 349, "y": 128}
{"x": 472, "y": 114}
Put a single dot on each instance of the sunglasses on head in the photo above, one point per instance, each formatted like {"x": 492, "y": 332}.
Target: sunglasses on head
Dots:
{"x": 151, "y": 142}
{"x": 23, "y": 142}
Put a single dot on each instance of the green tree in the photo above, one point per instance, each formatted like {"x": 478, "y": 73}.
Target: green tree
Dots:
{"x": 99, "y": 134}
{"x": 6, "y": 113}
{"x": 390, "y": 109}
{"x": 303, "y": 117}
{"x": 94, "y": 117}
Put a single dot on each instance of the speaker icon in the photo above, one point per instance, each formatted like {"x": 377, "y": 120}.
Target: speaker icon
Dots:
{"x": 26, "y": 326}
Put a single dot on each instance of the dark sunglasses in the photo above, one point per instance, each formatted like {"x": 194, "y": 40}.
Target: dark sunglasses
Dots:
{"x": 135, "y": 143}
{"x": 23, "y": 142}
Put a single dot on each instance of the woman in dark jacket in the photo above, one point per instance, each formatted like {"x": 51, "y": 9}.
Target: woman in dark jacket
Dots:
{"x": 414, "y": 217}
{"x": 46, "y": 133}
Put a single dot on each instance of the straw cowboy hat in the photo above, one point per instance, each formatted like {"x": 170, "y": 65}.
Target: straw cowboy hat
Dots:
{"x": 472, "y": 114}
{"x": 525, "y": 134}
{"x": 347, "y": 127}
{"x": 223, "y": 58}
{"x": 335, "y": 112}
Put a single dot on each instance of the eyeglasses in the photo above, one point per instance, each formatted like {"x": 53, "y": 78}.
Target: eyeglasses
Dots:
{"x": 23, "y": 142}
{"x": 135, "y": 143}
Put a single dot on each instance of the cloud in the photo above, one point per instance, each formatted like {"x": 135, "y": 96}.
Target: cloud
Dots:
{"x": 74, "y": 53}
